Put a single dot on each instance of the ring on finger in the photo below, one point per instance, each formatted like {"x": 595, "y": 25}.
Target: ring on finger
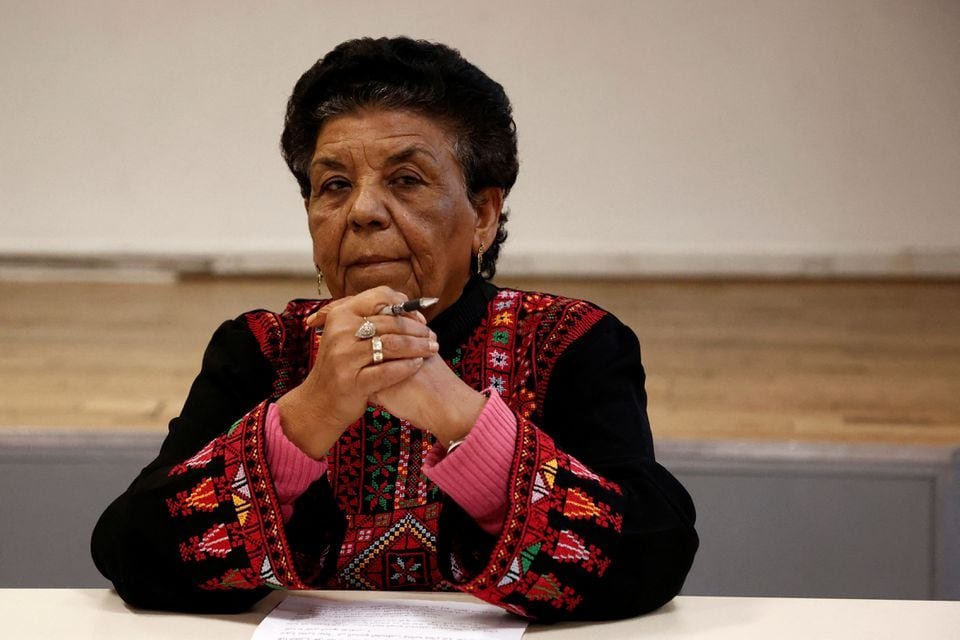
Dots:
{"x": 367, "y": 330}
{"x": 377, "y": 344}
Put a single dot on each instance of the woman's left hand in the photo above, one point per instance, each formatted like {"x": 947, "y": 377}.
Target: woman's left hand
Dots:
{"x": 434, "y": 399}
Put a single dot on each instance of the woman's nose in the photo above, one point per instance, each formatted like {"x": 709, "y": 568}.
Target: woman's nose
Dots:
{"x": 368, "y": 209}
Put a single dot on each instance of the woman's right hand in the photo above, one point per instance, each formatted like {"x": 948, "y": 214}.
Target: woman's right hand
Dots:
{"x": 336, "y": 391}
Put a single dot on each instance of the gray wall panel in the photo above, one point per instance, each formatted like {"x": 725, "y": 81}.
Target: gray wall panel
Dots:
{"x": 774, "y": 519}
{"x": 764, "y": 535}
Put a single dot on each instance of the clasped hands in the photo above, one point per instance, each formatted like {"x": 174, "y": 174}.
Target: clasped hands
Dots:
{"x": 412, "y": 381}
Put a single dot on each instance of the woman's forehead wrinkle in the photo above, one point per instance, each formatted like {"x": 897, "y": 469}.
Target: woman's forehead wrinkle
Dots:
{"x": 360, "y": 147}
{"x": 384, "y": 155}
{"x": 335, "y": 154}
{"x": 409, "y": 152}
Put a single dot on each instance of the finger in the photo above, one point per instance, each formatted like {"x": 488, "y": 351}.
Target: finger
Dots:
{"x": 361, "y": 305}
{"x": 398, "y": 347}
{"x": 318, "y": 318}
{"x": 392, "y": 347}
{"x": 402, "y": 325}
{"x": 375, "y": 377}
{"x": 372, "y": 301}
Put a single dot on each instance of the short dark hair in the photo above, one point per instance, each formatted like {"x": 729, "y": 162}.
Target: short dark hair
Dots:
{"x": 427, "y": 78}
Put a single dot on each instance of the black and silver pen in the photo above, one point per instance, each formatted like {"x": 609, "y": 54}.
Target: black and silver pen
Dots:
{"x": 417, "y": 304}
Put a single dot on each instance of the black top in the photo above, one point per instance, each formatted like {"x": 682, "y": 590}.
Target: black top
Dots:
{"x": 595, "y": 529}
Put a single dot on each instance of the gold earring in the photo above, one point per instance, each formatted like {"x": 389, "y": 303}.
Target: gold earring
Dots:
{"x": 319, "y": 281}
{"x": 480, "y": 259}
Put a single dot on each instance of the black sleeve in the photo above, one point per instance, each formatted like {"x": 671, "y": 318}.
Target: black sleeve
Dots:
{"x": 595, "y": 528}
{"x": 596, "y": 411}
{"x": 158, "y": 542}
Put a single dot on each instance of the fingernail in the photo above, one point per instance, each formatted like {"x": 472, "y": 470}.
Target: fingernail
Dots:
{"x": 434, "y": 346}
{"x": 417, "y": 362}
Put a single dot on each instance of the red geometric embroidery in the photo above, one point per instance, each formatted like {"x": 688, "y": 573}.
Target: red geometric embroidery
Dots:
{"x": 504, "y": 319}
{"x": 269, "y": 332}
{"x": 581, "y": 471}
{"x": 563, "y": 322}
{"x": 203, "y": 497}
{"x": 233, "y": 579}
{"x": 260, "y": 528}
{"x": 579, "y": 506}
{"x": 199, "y": 460}
{"x": 570, "y": 548}
{"x": 408, "y": 570}
{"x": 395, "y": 550}
{"x": 375, "y": 472}
{"x": 214, "y": 543}
{"x": 548, "y": 589}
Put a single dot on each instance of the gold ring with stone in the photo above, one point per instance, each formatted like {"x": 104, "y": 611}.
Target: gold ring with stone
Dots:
{"x": 367, "y": 330}
{"x": 377, "y": 344}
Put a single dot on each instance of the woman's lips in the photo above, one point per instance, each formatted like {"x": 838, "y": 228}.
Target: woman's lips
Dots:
{"x": 372, "y": 261}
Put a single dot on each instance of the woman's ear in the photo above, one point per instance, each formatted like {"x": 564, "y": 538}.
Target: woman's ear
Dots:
{"x": 488, "y": 205}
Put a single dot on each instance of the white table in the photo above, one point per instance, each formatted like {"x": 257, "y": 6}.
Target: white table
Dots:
{"x": 81, "y": 614}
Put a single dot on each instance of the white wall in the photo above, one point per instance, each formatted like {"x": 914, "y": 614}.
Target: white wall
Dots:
{"x": 761, "y": 135}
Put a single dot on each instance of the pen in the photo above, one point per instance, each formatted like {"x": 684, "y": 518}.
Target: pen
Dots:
{"x": 391, "y": 309}
{"x": 417, "y": 304}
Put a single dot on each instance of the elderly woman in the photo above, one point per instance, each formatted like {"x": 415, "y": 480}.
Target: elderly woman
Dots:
{"x": 494, "y": 443}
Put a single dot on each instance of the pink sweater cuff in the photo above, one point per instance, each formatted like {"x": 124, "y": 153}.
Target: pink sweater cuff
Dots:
{"x": 292, "y": 470}
{"x": 477, "y": 474}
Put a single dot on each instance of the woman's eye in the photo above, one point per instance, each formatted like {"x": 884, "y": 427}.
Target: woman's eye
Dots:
{"x": 407, "y": 180}
{"x": 333, "y": 185}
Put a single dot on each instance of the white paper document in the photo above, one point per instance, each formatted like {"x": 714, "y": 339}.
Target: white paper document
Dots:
{"x": 319, "y": 618}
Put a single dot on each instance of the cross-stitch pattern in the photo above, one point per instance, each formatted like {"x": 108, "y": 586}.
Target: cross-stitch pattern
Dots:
{"x": 560, "y": 514}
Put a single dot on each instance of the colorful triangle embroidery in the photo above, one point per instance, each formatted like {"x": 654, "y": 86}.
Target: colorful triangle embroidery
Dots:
{"x": 546, "y": 588}
{"x": 216, "y": 542}
{"x": 540, "y": 489}
{"x": 512, "y": 575}
{"x": 242, "y": 507}
{"x": 240, "y": 483}
{"x": 267, "y": 574}
{"x": 202, "y": 458}
{"x": 234, "y": 579}
{"x": 570, "y": 548}
{"x": 549, "y": 471}
{"x": 578, "y": 469}
{"x": 204, "y": 496}
{"x": 578, "y": 505}
{"x": 527, "y": 556}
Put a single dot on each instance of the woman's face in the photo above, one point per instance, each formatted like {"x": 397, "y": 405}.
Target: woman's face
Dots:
{"x": 389, "y": 206}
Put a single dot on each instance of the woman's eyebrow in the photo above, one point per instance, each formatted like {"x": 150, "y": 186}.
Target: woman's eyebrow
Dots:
{"x": 329, "y": 162}
{"x": 409, "y": 152}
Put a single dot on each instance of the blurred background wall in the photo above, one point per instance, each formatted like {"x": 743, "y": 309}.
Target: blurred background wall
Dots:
{"x": 656, "y": 136}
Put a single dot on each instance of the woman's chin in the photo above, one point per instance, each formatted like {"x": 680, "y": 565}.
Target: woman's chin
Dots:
{"x": 396, "y": 275}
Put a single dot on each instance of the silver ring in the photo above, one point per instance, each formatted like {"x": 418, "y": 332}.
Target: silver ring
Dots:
{"x": 367, "y": 330}
{"x": 377, "y": 344}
